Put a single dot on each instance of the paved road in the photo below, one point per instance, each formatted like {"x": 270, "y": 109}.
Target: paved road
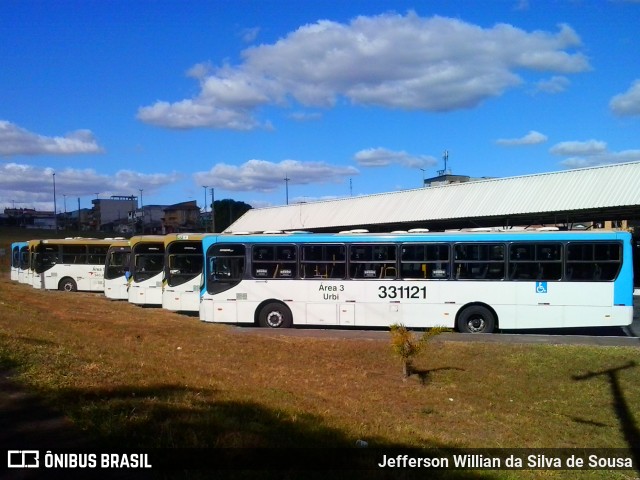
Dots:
{"x": 614, "y": 336}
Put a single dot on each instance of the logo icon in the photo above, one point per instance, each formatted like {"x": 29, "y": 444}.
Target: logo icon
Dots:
{"x": 541, "y": 287}
{"x": 23, "y": 458}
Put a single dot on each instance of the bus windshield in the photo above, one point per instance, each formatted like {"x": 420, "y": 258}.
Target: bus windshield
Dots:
{"x": 148, "y": 261}
{"x": 117, "y": 264}
{"x": 24, "y": 258}
{"x": 45, "y": 257}
{"x": 184, "y": 262}
{"x": 225, "y": 267}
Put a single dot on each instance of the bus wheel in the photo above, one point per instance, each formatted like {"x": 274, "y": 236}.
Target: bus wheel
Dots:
{"x": 275, "y": 315}
{"x": 68, "y": 285}
{"x": 476, "y": 319}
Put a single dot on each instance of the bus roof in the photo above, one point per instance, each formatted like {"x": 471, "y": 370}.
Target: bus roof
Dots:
{"x": 504, "y": 236}
{"x": 146, "y": 239}
{"x": 119, "y": 243}
{"x": 178, "y": 237}
{"x": 77, "y": 241}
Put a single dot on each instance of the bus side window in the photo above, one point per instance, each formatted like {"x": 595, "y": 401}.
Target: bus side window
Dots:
{"x": 274, "y": 261}
{"x": 480, "y": 261}
{"x": 373, "y": 262}
{"x": 535, "y": 261}
{"x": 425, "y": 261}
{"x": 593, "y": 261}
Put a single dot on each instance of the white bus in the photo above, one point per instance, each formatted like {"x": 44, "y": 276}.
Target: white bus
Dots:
{"x": 30, "y": 277}
{"x": 17, "y": 250}
{"x": 69, "y": 264}
{"x": 116, "y": 270}
{"x": 182, "y": 271}
{"x": 147, "y": 262}
{"x": 474, "y": 282}
{"x": 23, "y": 270}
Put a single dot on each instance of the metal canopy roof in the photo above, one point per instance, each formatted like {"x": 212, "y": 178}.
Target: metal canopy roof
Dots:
{"x": 608, "y": 192}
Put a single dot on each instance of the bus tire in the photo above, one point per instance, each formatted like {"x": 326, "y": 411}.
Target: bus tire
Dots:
{"x": 476, "y": 319}
{"x": 275, "y": 315}
{"x": 68, "y": 285}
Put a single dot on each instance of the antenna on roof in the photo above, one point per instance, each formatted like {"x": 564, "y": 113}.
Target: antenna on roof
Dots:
{"x": 446, "y": 171}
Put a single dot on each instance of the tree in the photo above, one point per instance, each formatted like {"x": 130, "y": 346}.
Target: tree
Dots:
{"x": 406, "y": 346}
{"x": 227, "y": 211}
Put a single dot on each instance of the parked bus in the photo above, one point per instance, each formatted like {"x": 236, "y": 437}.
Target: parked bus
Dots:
{"x": 23, "y": 269}
{"x": 30, "y": 277}
{"x": 70, "y": 264}
{"x": 116, "y": 270}
{"x": 182, "y": 271}
{"x": 473, "y": 282}
{"x": 147, "y": 262}
{"x": 16, "y": 257}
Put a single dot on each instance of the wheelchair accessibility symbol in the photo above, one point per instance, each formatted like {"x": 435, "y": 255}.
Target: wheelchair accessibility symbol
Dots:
{"x": 541, "y": 287}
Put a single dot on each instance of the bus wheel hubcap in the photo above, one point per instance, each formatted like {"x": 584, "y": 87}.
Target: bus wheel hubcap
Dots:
{"x": 476, "y": 324}
{"x": 274, "y": 319}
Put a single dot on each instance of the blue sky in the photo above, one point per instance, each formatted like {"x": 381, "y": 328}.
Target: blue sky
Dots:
{"x": 343, "y": 98}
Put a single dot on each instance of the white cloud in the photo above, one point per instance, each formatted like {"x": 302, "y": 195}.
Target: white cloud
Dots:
{"x": 248, "y": 35}
{"x": 586, "y": 148}
{"x": 264, "y": 176}
{"x": 15, "y": 140}
{"x": 591, "y": 153}
{"x": 305, "y": 116}
{"x": 391, "y": 61}
{"x": 30, "y": 186}
{"x": 628, "y": 103}
{"x": 303, "y": 199}
{"x": 381, "y": 157}
{"x": 555, "y": 84}
{"x": 531, "y": 138}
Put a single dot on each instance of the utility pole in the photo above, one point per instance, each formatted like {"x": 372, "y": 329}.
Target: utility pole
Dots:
{"x": 213, "y": 217}
{"x": 141, "y": 211}
{"x": 55, "y": 216}
{"x": 286, "y": 187}
{"x": 64, "y": 224}
{"x": 206, "y": 225}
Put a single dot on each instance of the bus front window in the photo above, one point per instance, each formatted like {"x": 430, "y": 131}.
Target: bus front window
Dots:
{"x": 225, "y": 267}
{"x": 182, "y": 268}
{"x": 44, "y": 260}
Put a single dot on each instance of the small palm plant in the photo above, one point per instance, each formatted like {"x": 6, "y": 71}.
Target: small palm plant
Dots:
{"x": 406, "y": 346}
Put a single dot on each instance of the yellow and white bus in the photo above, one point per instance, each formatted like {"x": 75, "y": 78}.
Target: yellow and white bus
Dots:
{"x": 146, "y": 267}
{"x": 28, "y": 275}
{"x": 182, "y": 279}
{"x": 69, "y": 264}
{"x": 116, "y": 270}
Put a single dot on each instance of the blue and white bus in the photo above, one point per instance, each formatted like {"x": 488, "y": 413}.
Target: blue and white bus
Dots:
{"x": 473, "y": 282}
{"x": 147, "y": 263}
{"x": 182, "y": 279}
{"x": 17, "y": 264}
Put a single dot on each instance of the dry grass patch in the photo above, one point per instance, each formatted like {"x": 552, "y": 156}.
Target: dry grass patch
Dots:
{"x": 138, "y": 377}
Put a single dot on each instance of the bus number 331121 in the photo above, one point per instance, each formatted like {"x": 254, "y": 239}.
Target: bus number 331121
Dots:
{"x": 402, "y": 292}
